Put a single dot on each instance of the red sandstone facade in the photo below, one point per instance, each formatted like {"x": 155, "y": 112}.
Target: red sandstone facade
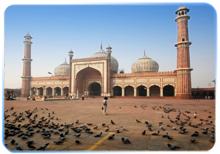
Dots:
{"x": 94, "y": 77}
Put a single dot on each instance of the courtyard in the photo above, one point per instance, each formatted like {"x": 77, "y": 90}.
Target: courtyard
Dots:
{"x": 125, "y": 112}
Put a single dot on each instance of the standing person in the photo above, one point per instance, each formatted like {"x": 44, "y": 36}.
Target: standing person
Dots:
{"x": 82, "y": 97}
{"x": 105, "y": 105}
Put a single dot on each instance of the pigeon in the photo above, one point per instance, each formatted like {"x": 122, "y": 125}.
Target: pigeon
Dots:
{"x": 98, "y": 135}
{"x": 125, "y": 140}
{"x": 156, "y": 133}
{"x": 168, "y": 117}
{"x": 77, "y": 135}
{"x": 173, "y": 147}
{"x": 165, "y": 135}
{"x": 174, "y": 128}
{"x": 12, "y": 141}
{"x": 103, "y": 124}
{"x": 195, "y": 134}
{"x": 77, "y": 121}
{"x": 162, "y": 116}
{"x": 112, "y": 122}
{"x": 117, "y": 130}
{"x": 31, "y": 146}
{"x": 107, "y": 129}
{"x": 111, "y": 137}
{"x": 95, "y": 127}
{"x": 58, "y": 142}
{"x": 160, "y": 122}
{"x": 195, "y": 115}
{"x": 124, "y": 128}
{"x": 48, "y": 136}
{"x": 193, "y": 140}
{"x": 67, "y": 131}
{"x": 77, "y": 141}
{"x": 43, "y": 147}
{"x": 17, "y": 146}
{"x": 138, "y": 121}
{"x": 135, "y": 106}
{"x": 30, "y": 142}
{"x": 62, "y": 138}
{"x": 89, "y": 124}
{"x": 144, "y": 132}
{"x": 170, "y": 138}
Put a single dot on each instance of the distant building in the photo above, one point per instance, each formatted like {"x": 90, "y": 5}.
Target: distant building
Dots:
{"x": 98, "y": 75}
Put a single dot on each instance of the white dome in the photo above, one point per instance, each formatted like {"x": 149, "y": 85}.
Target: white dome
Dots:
{"x": 102, "y": 53}
{"x": 145, "y": 64}
{"x": 62, "y": 70}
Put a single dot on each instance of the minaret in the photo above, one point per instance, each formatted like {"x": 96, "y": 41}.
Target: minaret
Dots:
{"x": 26, "y": 84}
{"x": 183, "y": 58}
{"x": 109, "y": 51}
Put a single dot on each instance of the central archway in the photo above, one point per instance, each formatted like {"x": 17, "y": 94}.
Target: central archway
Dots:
{"x": 85, "y": 80}
{"x": 95, "y": 89}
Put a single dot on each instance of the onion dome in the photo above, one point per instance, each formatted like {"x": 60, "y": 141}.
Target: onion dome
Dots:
{"x": 145, "y": 64}
{"x": 102, "y": 53}
{"x": 62, "y": 69}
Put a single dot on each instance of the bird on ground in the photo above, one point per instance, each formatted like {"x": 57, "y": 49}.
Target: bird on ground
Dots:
{"x": 77, "y": 121}
{"x": 43, "y": 147}
{"x": 168, "y": 117}
{"x": 165, "y": 135}
{"x": 30, "y": 142}
{"x": 52, "y": 112}
{"x": 195, "y": 134}
{"x": 173, "y": 147}
{"x": 12, "y": 141}
{"x": 170, "y": 138}
{"x": 150, "y": 129}
{"x": 125, "y": 140}
{"x": 117, "y": 130}
{"x": 58, "y": 142}
{"x": 98, "y": 135}
{"x": 156, "y": 133}
{"x": 107, "y": 129}
{"x": 62, "y": 138}
{"x": 144, "y": 132}
{"x": 124, "y": 128}
{"x": 162, "y": 116}
{"x": 77, "y": 141}
{"x": 31, "y": 146}
{"x": 77, "y": 135}
{"x": 174, "y": 128}
{"x": 67, "y": 131}
{"x": 112, "y": 122}
{"x": 160, "y": 122}
{"x": 195, "y": 115}
{"x": 192, "y": 140}
{"x": 48, "y": 136}
{"x": 95, "y": 127}
{"x": 168, "y": 125}
{"x": 111, "y": 137}
{"x": 89, "y": 124}
{"x": 135, "y": 106}
{"x": 138, "y": 121}
{"x": 161, "y": 127}
{"x": 17, "y": 146}
{"x": 103, "y": 124}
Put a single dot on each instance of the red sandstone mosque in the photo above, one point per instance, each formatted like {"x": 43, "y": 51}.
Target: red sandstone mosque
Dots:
{"x": 97, "y": 75}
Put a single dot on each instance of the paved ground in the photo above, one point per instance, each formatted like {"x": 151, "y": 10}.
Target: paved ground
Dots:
{"x": 123, "y": 113}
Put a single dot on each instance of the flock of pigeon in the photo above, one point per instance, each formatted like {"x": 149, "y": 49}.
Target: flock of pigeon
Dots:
{"x": 46, "y": 127}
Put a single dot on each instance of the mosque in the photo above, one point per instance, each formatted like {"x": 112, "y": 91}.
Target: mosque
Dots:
{"x": 98, "y": 75}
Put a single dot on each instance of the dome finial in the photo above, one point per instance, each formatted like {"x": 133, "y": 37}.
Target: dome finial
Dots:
{"x": 144, "y": 52}
{"x": 65, "y": 59}
{"x": 101, "y": 46}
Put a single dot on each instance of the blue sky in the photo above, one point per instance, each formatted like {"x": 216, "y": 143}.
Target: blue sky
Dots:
{"x": 128, "y": 29}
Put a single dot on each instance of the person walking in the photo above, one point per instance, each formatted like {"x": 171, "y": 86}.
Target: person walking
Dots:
{"x": 105, "y": 105}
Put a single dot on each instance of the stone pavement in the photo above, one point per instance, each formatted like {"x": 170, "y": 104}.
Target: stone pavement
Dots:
{"x": 123, "y": 113}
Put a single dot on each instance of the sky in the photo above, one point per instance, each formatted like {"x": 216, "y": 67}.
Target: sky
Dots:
{"x": 128, "y": 29}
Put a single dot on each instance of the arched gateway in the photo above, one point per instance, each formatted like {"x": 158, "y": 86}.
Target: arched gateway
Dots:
{"x": 89, "y": 81}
